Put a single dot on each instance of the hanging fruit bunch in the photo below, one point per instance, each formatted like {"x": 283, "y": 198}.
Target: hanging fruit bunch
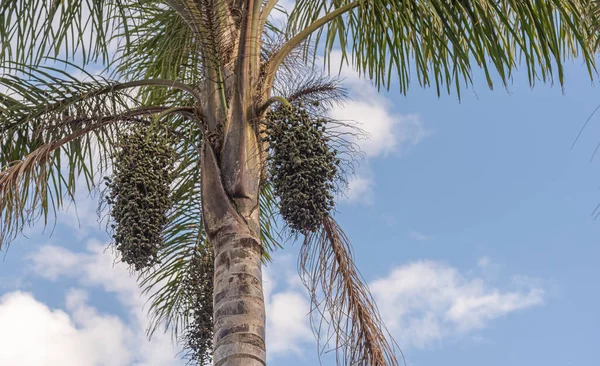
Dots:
{"x": 198, "y": 287}
{"x": 139, "y": 193}
{"x": 302, "y": 166}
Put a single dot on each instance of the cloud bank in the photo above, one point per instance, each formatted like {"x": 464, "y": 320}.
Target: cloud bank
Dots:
{"x": 426, "y": 302}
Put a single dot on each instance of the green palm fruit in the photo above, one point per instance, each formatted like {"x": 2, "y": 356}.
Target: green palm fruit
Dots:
{"x": 302, "y": 166}
{"x": 139, "y": 194}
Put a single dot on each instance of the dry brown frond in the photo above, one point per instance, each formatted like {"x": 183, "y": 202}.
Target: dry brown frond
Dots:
{"x": 344, "y": 307}
{"x": 17, "y": 205}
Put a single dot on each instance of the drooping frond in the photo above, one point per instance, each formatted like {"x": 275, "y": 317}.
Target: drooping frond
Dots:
{"x": 593, "y": 16}
{"x": 342, "y": 306}
{"x": 443, "y": 41}
{"x": 54, "y": 130}
{"x": 270, "y": 236}
{"x": 35, "y": 185}
{"x": 31, "y": 30}
{"x": 46, "y": 103}
{"x": 48, "y": 94}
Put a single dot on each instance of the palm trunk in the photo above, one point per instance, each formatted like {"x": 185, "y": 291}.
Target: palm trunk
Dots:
{"x": 239, "y": 311}
{"x": 230, "y": 189}
{"x": 239, "y": 315}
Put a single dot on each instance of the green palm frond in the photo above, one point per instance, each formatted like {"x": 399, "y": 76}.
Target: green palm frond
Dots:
{"x": 53, "y": 125}
{"x": 183, "y": 236}
{"x": 54, "y": 131}
{"x": 47, "y": 103}
{"x": 269, "y": 229}
{"x": 174, "y": 62}
{"x": 45, "y": 146}
{"x": 593, "y": 16}
{"x": 443, "y": 41}
{"x": 594, "y": 9}
{"x": 31, "y": 30}
{"x": 162, "y": 46}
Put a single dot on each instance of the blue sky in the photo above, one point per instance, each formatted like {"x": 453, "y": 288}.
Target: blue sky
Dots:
{"x": 471, "y": 221}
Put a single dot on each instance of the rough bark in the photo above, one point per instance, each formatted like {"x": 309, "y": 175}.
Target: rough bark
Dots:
{"x": 239, "y": 312}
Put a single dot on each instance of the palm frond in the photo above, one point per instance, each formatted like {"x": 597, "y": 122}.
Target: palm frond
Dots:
{"x": 442, "y": 41}
{"x": 31, "y": 30}
{"x": 198, "y": 337}
{"x": 162, "y": 46}
{"x": 36, "y": 185}
{"x": 342, "y": 305}
{"x": 54, "y": 130}
{"x": 270, "y": 233}
{"x": 593, "y": 16}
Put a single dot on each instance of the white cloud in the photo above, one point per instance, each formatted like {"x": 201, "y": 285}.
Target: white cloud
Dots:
{"x": 360, "y": 189}
{"x": 32, "y": 334}
{"x": 387, "y": 132}
{"x": 51, "y": 261}
{"x": 423, "y": 303}
{"x": 287, "y": 305}
{"x": 426, "y": 301}
{"x": 97, "y": 268}
{"x": 488, "y": 267}
{"x": 288, "y": 327}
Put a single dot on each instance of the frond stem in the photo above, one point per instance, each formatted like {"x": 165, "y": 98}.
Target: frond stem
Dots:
{"x": 272, "y": 100}
{"x": 154, "y": 82}
{"x": 266, "y": 11}
{"x": 221, "y": 87}
{"x": 280, "y": 55}
{"x": 137, "y": 112}
{"x": 255, "y": 36}
{"x": 172, "y": 110}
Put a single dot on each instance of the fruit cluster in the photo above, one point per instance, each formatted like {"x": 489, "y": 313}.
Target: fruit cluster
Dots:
{"x": 198, "y": 287}
{"x": 302, "y": 166}
{"x": 139, "y": 194}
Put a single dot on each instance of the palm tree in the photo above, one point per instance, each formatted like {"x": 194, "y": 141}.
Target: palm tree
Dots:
{"x": 196, "y": 96}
